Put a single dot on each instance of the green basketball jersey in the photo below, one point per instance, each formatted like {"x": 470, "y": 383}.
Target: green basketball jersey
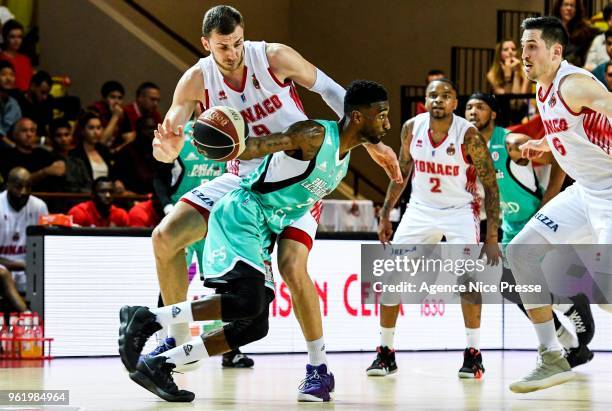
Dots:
{"x": 518, "y": 202}
{"x": 196, "y": 168}
{"x": 285, "y": 196}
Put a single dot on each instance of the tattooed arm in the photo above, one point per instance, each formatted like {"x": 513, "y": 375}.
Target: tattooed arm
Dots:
{"x": 305, "y": 136}
{"x": 476, "y": 148}
{"x": 394, "y": 191}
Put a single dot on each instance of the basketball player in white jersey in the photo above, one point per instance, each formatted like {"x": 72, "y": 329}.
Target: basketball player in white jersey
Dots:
{"x": 447, "y": 154}
{"x": 575, "y": 109}
{"x": 257, "y": 78}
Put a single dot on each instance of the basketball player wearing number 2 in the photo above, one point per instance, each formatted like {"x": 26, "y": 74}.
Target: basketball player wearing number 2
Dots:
{"x": 575, "y": 109}
{"x": 257, "y": 79}
{"x": 447, "y": 154}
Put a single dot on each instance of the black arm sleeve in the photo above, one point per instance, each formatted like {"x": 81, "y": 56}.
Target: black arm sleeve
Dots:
{"x": 162, "y": 182}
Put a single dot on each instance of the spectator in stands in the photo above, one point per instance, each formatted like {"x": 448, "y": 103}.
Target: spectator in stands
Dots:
{"x": 100, "y": 211}
{"x": 608, "y": 82}
{"x": 96, "y": 156}
{"x": 18, "y": 210}
{"x": 135, "y": 165}
{"x": 571, "y": 14}
{"x": 36, "y": 103}
{"x": 597, "y": 52}
{"x": 146, "y": 104}
{"x": 9, "y": 108}
{"x": 600, "y": 70}
{"x": 12, "y": 33}
{"x": 47, "y": 169}
{"x": 110, "y": 109}
{"x": 146, "y": 213}
{"x": 506, "y": 74}
{"x": 76, "y": 178}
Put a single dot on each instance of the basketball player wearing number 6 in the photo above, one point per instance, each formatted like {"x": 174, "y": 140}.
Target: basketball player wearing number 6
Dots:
{"x": 447, "y": 154}
{"x": 575, "y": 109}
{"x": 257, "y": 79}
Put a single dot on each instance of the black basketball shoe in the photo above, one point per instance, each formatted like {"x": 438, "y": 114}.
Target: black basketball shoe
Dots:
{"x": 236, "y": 359}
{"x": 472, "y": 364}
{"x": 579, "y": 355}
{"x": 137, "y": 325}
{"x": 155, "y": 374}
{"x": 384, "y": 364}
{"x": 581, "y": 316}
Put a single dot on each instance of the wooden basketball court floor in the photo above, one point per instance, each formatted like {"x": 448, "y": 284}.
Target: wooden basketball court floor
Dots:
{"x": 425, "y": 381}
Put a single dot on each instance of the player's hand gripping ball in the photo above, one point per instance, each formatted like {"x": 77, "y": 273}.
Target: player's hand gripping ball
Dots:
{"x": 220, "y": 133}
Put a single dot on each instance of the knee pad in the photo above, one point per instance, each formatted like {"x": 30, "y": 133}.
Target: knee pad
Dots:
{"x": 242, "y": 332}
{"x": 245, "y": 299}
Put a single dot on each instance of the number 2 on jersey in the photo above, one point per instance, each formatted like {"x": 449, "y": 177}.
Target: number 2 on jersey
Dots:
{"x": 436, "y": 185}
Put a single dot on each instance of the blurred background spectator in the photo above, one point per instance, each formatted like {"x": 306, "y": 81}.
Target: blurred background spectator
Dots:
{"x": 135, "y": 165}
{"x": 146, "y": 213}
{"x": 12, "y": 34}
{"x": 10, "y": 111}
{"x": 96, "y": 156}
{"x": 110, "y": 109}
{"x": 100, "y": 210}
{"x": 76, "y": 178}
{"x": 597, "y": 53}
{"x": 581, "y": 34}
{"x": 147, "y": 101}
{"x": 36, "y": 102}
{"x": 600, "y": 70}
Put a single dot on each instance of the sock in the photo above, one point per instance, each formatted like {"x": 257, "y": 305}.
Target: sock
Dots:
{"x": 180, "y": 333}
{"x": 316, "y": 352}
{"x": 566, "y": 338}
{"x": 191, "y": 351}
{"x": 547, "y": 336}
{"x": 174, "y": 313}
{"x": 386, "y": 337}
{"x": 473, "y": 337}
{"x": 562, "y": 307}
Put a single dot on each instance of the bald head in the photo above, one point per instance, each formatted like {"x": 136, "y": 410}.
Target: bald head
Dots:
{"x": 19, "y": 187}
{"x": 24, "y": 134}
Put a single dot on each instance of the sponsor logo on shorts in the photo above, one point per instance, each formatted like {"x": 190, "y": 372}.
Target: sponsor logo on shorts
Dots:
{"x": 175, "y": 311}
{"x": 187, "y": 348}
{"x": 206, "y": 200}
{"x": 546, "y": 221}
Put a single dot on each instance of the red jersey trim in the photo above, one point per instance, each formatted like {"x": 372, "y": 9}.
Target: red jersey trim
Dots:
{"x": 287, "y": 82}
{"x": 434, "y": 145}
{"x": 295, "y": 234}
{"x": 572, "y": 112}
{"x": 543, "y": 99}
{"x": 244, "y": 79}
{"x": 296, "y": 98}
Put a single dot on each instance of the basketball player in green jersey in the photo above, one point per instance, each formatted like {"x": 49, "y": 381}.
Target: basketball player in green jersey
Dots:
{"x": 310, "y": 160}
{"x": 173, "y": 180}
{"x": 521, "y": 196}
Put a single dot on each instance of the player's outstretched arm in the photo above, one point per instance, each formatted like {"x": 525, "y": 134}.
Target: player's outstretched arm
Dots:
{"x": 305, "y": 136}
{"x": 476, "y": 148}
{"x": 580, "y": 91}
{"x": 286, "y": 63}
{"x": 168, "y": 140}
{"x": 395, "y": 188}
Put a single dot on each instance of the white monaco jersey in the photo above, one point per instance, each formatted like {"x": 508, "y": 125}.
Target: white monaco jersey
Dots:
{"x": 267, "y": 105}
{"x": 442, "y": 177}
{"x": 13, "y": 225}
{"x": 581, "y": 142}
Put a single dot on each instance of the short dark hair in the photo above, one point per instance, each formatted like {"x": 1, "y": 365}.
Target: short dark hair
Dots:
{"x": 110, "y": 86}
{"x": 449, "y": 82}
{"x": 102, "y": 179}
{"x": 553, "y": 30}
{"x": 487, "y": 98}
{"x": 363, "y": 93}
{"x": 222, "y": 19}
{"x": 435, "y": 72}
{"x": 41, "y": 77}
{"x": 145, "y": 86}
{"x": 607, "y": 12}
{"x": 9, "y": 26}
{"x": 58, "y": 123}
{"x": 5, "y": 64}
